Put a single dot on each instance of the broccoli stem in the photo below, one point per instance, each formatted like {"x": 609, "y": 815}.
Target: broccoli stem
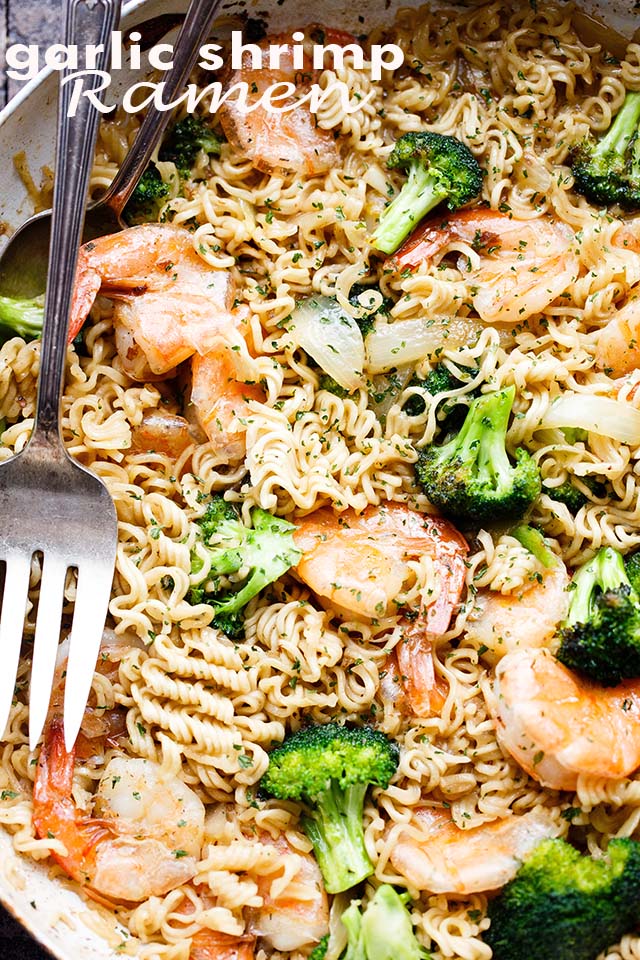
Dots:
{"x": 334, "y": 827}
{"x": 533, "y": 541}
{"x": 622, "y": 131}
{"x": 23, "y": 317}
{"x": 482, "y": 438}
{"x": 606, "y": 570}
{"x": 421, "y": 192}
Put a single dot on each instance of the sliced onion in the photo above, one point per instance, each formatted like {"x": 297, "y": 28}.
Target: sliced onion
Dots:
{"x": 603, "y": 415}
{"x": 386, "y": 388}
{"x": 408, "y": 341}
{"x": 331, "y": 337}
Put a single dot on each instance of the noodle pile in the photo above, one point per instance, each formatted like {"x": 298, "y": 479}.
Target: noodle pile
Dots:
{"x": 519, "y": 87}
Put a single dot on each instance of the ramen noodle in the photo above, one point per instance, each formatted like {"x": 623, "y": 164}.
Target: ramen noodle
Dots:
{"x": 516, "y": 83}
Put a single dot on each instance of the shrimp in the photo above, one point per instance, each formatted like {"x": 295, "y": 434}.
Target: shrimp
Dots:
{"x": 434, "y": 854}
{"x": 557, "y": 725}
{"x": 210, "y": 945}
{"x": 359, "y": 563}
{"x": 617, "y": 348}
{"x": 170, "y": 303}
{"x": 146, "y": 837}
{"x": 523, "y": 264}
{"x": 221, "y": 400}
{"x": 525, "y": 619}
{"x": 276, "y": 141}
{"x": 164, "y": 433}
{"x": 298, "y": 914}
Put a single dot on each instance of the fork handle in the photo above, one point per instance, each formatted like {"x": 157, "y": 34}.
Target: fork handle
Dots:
{"x": 86, "y": 22}
{"x": 193, "y": 33}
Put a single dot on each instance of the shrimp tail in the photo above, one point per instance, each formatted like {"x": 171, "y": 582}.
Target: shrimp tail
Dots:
{"x": 54, "y": 812}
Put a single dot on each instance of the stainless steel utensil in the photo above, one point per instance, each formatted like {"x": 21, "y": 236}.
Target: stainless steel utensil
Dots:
{"x": 49, "y": 503}
{"x": 23, "y": 264}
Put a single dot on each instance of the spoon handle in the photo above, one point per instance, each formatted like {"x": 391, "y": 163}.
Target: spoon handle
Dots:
{"x": 193, "y": 33}
{"x": 86, "y": 22}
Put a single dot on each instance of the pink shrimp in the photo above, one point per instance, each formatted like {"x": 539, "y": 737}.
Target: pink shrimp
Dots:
{"x": 359, "y": 563}
{"x": 169, "y": 305}
{"x": 524, "y": 264}
{"x": 558, "y": 725}
{"x": 276, "y": 140}
{"x": 434, "y": 854}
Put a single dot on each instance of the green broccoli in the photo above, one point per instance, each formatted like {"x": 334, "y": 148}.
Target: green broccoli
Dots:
{"x": 22, "y": 318}
{"x": 572, "y": 496}
{"x": 320, "y": 950}
{"x": 566, "y": 906}
{"x": 185, "y": 141}
{"x": 144, "y": 203}
{"x": 632, "y": 567}
{"x": 265, "y": 550}
{"x": 471, "y": 477}
{"x": 360, "y": 297}
{"x": 533, "y": 541}
{"x": 329, "y": 767}
{"x": 383, "y": 931}
{"x": 601, "y": 634}
{"x": 438, "y": 380}
{"x": 440, "y": 168}
{"x": 607, "y": 171}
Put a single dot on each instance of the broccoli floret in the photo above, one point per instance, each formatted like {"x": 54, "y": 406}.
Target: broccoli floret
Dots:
{"x": 329, "y": 767}
{"x": 564, "y": 905}
{"x": 601, "y": 635}
{"x": 265, "y": 550}
{"x": 319, "y": 951}
{"x": 184, "y": 142}
{"x": 147, "y": 198}
{"x": 438, "y": 380}
{"x": 607, "y": 171}
{"x": 21, "y": 317}
{"x": 361, "y": 297}
{"x": 471, "y": 477}
{"x": 384, "y": 931}
{"x": 632, "y": 567}
{"x": 440, "y": 168}
{"x": 572, "y": 496}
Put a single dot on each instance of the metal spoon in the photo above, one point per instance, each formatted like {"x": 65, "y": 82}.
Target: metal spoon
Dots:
{"x": 23, "y": 264}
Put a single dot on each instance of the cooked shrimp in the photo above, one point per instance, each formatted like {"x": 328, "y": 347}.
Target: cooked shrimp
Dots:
{"x": 558, "y": 725}
{"x": 146, "y": 838}
{"x": 164, "y": 433}
{"x": 523, "y": 264}
{"x": 359, "y": 562}
{"x": 298, "y": 914}
{"x": 170, "y": 303}
{"x": 618, "y": 349}
{"x": 526, "y": 619}
{"x": 210, "y": 945}
{"x": 276, "y": 141}
{"x": 221, "y": 400}
{"x": 435, "y": 855}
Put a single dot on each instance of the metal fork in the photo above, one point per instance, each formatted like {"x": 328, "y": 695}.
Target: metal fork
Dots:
{"x": 48, "y": 502}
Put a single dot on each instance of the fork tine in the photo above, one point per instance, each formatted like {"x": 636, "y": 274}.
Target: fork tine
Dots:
{"x": 16, "y": 588}
{"x": 45, "y": 646}
{"x": 92, "y": 601}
